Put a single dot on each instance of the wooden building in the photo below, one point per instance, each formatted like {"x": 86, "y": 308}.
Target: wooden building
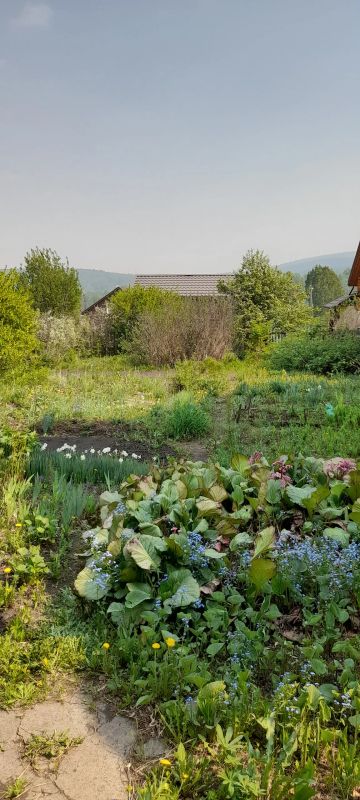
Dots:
{"x": 345, "y": 310}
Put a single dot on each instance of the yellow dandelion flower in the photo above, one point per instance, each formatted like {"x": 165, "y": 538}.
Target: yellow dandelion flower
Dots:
{"x": 165, "y": 762}
{"x": 106, "y": 646}
{"x": 155, "y": 646}
{"x": 18, "y": 525}
{"x": 7, "y": 570}
{"x": 184, "y": 776}
{"x": 170, "y": 641}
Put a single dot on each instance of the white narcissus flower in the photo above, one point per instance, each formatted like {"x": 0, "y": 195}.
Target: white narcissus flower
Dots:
{"x": 133, "y": 455}
{"x": 106, "y": 449}
{"x": 44, "y": 446}
{"x": 82, "y": 457}
{"x": 121, "y": 460}
{"x": 124, "y": 453}
{"x": 67, "y": 455}
{"x": 92, "y": 450}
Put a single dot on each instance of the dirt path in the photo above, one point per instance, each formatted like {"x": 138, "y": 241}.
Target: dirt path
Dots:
{"x": 97, "y": 768}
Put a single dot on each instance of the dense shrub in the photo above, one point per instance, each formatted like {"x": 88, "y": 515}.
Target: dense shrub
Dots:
{"x": 192, "y": 328}
{"x": 101, "y": 338}
{"x": 62, "y": 338}
{"x": 323, "y": 354}
{"x": 128, "y": 304}
{"x": 18, "y": 321}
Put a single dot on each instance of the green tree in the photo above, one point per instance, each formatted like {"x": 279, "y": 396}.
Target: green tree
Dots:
{"x": 18, "y": 322}
{"x": 265, "y": 300}
{"x": 322, "y": 284}
{"x": 54, "y": 285}
{"x": 128, "y": 304}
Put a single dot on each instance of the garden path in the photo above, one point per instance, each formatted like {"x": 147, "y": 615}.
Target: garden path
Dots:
{"x": 98, "y": 767}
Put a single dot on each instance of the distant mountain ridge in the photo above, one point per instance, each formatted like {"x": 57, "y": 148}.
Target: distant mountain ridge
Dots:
{"x": 97, "y": 282}
{"x": 338, "y": 262}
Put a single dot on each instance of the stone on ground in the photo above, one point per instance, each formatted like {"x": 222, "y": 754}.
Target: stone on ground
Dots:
{"x": 96, "y": 769}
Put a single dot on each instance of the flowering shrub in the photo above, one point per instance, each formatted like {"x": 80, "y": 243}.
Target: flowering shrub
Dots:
{"x": 62, "y": 337}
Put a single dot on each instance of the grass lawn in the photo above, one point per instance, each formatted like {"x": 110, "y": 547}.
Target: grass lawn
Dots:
{"x": 250, "y": 408}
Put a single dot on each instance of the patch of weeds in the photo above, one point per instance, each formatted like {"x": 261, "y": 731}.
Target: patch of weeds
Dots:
{"x": 47, "y": 422}
{"x": 30, "y": 658}
{"x": 182, "y": 418}
{"x": 54, "y": 745}
{"x": 15, "y": 789}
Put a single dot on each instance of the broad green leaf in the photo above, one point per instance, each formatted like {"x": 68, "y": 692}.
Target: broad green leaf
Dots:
{"x": 338, "y": 534}
{"x": 181, "y": 488}
{"x": 327, "y": 691}
{"x": 273, "y": 493}
{"x": 110, "y": 498}
{"x": 313, "y": 501}
{"x": 355, "y": 720}
{"x": 139, "y": 586}
{"x": 144, "y": 550}
{"x": 144, "y": 700}
{"x": 180, "y": 589}
{"x": 239, "y": 463}
{"x": 264, "y": 541}
{"x": 116, "y": 611}
{"x": 261, "y": 571}
{"x": 202, "y": 526}
{"x": 206, "y": 506}
{"x": 239, "y": 540}
{"x": 135, "y": 597}
{"x": 88, "y": 585}
{"x": 242, "y": 515}
{"x": 273, "y": 612}
{"x": 176, "y": 544}
{"x": 297, "y": 494}
{"x": 355, "y": 513}
{"x": 218, "y": 493}
{"x": 214, "y": 554}
{"x": 238, "y": 495}
{"x": 354, "y": 488}
{"x": 198, "y": 679}
{"x": 318, "y": 666}
{"x": 215, "y": 648}
{"x": 149, "y": 529}
{"x": 313, "y": 696}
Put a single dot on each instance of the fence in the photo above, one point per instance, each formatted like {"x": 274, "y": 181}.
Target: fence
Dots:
{"x": 276, "y": 336}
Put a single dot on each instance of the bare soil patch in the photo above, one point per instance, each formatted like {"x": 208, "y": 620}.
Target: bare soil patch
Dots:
{"x": 99, "y": 435}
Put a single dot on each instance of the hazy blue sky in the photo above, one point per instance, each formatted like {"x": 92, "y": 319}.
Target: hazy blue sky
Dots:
{"x": 173, "y": 135}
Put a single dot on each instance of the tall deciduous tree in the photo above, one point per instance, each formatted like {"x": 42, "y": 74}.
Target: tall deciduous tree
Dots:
{"x": 18, "y": 322}
{"x": 54, "y": 285}
{"x": 265, "y": 300}
{"x": 322, "y": 285}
